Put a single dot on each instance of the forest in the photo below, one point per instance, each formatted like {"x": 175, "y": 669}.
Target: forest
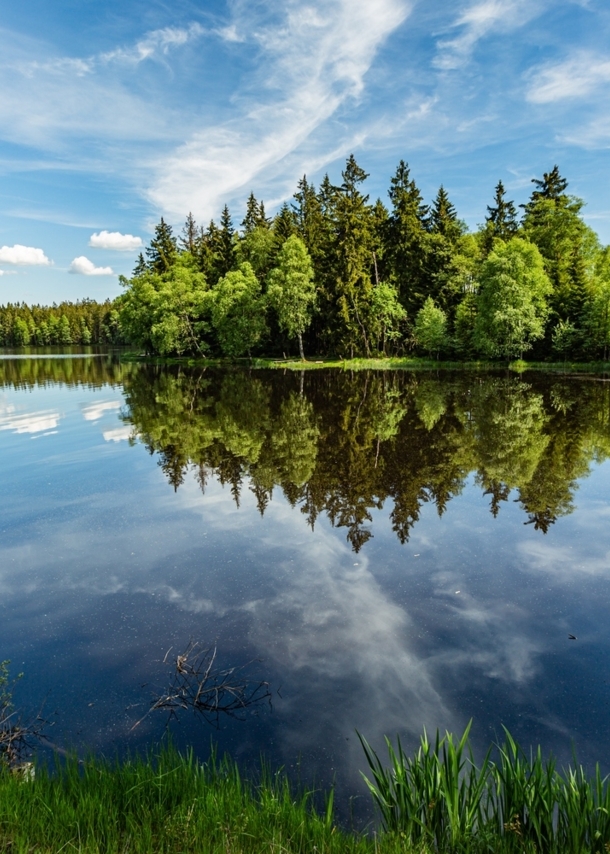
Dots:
{"x": 335, "y": 274}
{"x": 82, "y": 322}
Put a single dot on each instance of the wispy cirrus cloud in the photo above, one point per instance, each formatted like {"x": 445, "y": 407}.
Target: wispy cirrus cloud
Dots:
{"x": 313, "y": 59}
{"x": 578, "y": 76}
{"x": 478, "y": 20}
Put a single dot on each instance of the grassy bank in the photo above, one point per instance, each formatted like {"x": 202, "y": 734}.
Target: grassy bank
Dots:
{"x": 380, "y": 364}
{"x": 435, "y": 801}
{"x": 168, "y": 803}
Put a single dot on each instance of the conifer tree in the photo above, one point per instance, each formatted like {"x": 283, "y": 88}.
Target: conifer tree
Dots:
{"x": 406, "y": 238}
{"x": 190, "y": 235}
{"x": 443, "y": 217}
{"x": 501, "y": 220}
{"x": 141, "y": 266}
{"x": 354, "y": 252}
{"x": 162, "y": 250}
{"x": 284, "y": 224}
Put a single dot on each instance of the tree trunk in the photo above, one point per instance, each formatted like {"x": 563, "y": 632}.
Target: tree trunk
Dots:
{"x": 302, "y": 354}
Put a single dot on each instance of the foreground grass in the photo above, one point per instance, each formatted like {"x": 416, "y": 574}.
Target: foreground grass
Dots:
{"x": 378, "y": 364}
{"x": 438, "y": 801}
{"x": 168, "y": 803}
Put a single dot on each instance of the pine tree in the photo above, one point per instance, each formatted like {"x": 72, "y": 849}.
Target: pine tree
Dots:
{"x": 501, "y": 220}
{"x": 141, "y": 266}
{"x": 250, "y": 221}
{"x": 354, "y": 254}
{"x": 223, "y": 245}
{"x": 443, "y": 217}
{"x": 162, "y": 250}
{"x": 189, "y": 236}
{"x": 406, "y": 239}
{"x": 284, "y": 224}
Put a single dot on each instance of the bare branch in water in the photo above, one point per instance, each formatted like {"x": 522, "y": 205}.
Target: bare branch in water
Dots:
{"x": 18, "y": 736}
{"x": 196, "y": 686}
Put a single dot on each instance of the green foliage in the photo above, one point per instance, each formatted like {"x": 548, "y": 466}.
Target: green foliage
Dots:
{"x": 239, "y": 311}
{"x": 512, "y": 307}
{"x": 291, "y": 289}
{"x": 442, "y": 799}
{"x": 167, "y": 313}
{"x": 163, "y": 248}
{"x": 386, "y": 316}
{"x": 86, "y": 322}
{"x": 431, "y": 328}
{"x": 372, "y": 270}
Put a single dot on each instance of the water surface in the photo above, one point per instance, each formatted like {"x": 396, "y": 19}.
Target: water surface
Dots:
{"x": 389, "y": 550}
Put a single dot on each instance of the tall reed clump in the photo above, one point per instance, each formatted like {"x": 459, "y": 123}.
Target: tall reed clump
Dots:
{"x": 518, "y": 803}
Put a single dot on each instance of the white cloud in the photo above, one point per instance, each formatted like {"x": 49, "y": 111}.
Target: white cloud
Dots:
{"x": 115, "y": 240}
{"x": 477, "y": 21}
{"x": 34, "y": 422}
{"x": 313, "y": 59}
{"x": 84, "y": 267}
{"x": 24, "y": 256}
{"x": 154, "y": 43}
{"x": 119, "y": 434}
{"x": 576, "y": 77}
{"x": 94, "y": 411}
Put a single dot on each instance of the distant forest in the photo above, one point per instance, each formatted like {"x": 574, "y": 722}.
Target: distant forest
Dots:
{"x": 334, "y": 274}
{"x": 83, "y": 322}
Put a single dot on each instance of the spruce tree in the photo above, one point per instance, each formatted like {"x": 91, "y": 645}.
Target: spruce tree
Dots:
{"x": 162, "y": 250}
{"x": 354, "y": 254}
{"x": 190, "y": 235}
{"x": 501, "y": 220}
{"x": 141, "y": 266}
{"x": 406, "y": 239}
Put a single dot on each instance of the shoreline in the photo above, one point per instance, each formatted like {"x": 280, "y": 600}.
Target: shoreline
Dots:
{"x": 373, "y": 364}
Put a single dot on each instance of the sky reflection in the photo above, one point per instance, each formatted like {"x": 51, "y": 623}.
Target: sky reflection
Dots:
{"x": 104, "y": 567}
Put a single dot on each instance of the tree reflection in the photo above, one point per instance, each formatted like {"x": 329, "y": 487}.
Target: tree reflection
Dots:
{"x": 341, "y": 444}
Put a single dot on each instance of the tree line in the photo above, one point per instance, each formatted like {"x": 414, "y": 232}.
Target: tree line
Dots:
{"x": 81, "y": 322}
{"x": 333, "y": 273}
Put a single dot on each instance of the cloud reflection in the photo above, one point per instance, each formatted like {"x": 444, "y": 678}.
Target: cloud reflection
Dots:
{"x": 31, "y": 422}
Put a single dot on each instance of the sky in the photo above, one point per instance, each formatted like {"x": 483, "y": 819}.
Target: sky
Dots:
{"x": 114, "y": 114}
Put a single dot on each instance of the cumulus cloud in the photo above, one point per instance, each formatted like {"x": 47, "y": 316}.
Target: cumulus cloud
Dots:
{"x": 314, "y": 58}
{"x": 576, "y": 77}
{"x": 84, "y": 267}
{"x": 24, "y": 256}
{"x": 115, "y": 240}
{"x": 477, "y": 21}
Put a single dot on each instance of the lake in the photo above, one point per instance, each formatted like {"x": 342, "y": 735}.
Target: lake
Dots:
{"x": 388, "y": 550}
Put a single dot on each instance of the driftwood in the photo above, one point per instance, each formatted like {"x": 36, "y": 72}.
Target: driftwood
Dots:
{"x": 197, "y": 686}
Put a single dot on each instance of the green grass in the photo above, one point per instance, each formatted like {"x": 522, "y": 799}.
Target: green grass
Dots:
{"x": 168, "y": 803}
{"x": 377, "y": 364}
{"x": 438, "y": 800}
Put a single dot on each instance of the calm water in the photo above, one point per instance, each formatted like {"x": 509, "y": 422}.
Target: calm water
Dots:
{"x": 390, "y": 551}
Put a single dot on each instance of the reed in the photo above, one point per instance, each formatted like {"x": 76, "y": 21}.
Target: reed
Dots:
{"x": 516, "y": 803}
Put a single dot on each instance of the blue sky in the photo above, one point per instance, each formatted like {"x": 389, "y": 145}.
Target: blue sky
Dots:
{"x": 113, "y": 114}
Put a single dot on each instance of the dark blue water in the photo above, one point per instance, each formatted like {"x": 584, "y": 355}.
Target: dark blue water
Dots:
{"x": 389, "y": 551}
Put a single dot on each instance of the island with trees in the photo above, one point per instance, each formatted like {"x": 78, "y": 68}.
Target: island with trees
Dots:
{"x": 334, "y": 275}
